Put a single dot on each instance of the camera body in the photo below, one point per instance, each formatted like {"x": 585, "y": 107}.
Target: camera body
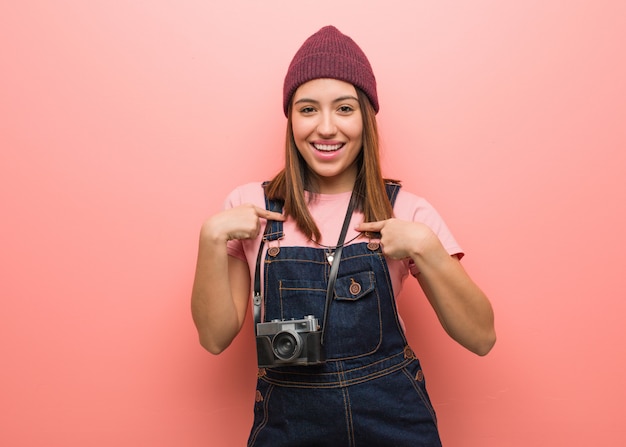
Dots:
{"x": 289, "y": 342}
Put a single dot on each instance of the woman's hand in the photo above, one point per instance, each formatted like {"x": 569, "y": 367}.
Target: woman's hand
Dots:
{"x": 401, "y": 239}
{"x": 241, "y": 222}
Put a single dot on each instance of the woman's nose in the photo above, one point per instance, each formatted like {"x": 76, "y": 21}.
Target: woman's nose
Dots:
{"x": 326, "y": 125}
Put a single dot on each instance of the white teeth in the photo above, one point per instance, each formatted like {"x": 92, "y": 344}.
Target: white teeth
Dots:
{"x": 327, "y": 147}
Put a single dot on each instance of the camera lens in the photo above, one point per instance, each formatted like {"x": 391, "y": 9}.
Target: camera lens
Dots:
{"x": 287, "y": 345}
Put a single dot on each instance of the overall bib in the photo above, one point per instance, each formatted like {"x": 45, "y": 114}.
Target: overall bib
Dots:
{"x": 371, "y": 390}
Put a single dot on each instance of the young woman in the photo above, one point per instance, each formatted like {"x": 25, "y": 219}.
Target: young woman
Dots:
{"x": 324, "y": 247}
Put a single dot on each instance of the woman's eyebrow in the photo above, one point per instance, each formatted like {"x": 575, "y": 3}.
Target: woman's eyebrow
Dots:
{"x": 313, "y": 101}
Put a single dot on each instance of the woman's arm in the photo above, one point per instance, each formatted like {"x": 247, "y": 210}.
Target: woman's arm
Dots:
{"x": 462, "y": 308}
{"x": 221, "y": 288}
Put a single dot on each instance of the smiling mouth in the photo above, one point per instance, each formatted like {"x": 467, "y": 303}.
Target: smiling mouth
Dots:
{"x": 328, "y": 147}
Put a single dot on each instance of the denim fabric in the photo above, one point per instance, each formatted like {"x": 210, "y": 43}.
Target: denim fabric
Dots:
{"x": 392, "y": 410}
{"x": 371, "y": 390}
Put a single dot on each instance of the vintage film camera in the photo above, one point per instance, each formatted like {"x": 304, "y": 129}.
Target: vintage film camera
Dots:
{"x": 289, "y": 342}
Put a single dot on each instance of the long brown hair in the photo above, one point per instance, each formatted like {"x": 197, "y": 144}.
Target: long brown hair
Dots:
{"x": 369, "y": 187}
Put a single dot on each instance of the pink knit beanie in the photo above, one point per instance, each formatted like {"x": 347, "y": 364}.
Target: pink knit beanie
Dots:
{"x": 330, "y": 54}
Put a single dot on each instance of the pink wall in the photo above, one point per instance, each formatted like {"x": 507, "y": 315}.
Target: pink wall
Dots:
{"x": 123, "y": 124}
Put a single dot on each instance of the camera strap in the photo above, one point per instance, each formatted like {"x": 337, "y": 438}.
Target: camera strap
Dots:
{"x": 330, "y": 291}
{"x": 256, "y": 298}
{"x": 334, "y": 266}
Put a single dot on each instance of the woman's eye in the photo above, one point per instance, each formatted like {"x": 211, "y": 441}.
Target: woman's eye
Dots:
{"x": 307, "y": 109}
{"x": 345, "y": 109}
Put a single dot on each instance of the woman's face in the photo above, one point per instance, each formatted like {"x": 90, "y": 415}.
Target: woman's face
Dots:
{"x": 327, "y": 128}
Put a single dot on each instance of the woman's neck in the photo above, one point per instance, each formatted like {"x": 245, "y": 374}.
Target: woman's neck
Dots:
{"x": 335, "y": 185}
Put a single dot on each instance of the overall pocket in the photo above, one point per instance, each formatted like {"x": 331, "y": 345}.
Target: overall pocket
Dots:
{"x": 416, "y": 378}
{"x": 355, "y": 327}
{"x": 261, "y": 410}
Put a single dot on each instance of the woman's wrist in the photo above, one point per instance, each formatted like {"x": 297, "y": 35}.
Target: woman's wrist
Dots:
{"x": 210, "y": 234}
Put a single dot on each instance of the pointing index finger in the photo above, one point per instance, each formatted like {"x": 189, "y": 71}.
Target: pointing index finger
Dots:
{"x": 269, "y": 215}
{"x": 371, "y": 226}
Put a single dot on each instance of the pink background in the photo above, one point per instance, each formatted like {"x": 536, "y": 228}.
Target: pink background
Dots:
{"x": 123, "y": 124}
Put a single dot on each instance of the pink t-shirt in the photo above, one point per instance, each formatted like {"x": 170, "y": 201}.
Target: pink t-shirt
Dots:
{"x": 329, "y": 211}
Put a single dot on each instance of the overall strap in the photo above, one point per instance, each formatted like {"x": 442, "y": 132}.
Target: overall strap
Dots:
{"x": 275, "y": 230}
{"x": 392, "y": 189}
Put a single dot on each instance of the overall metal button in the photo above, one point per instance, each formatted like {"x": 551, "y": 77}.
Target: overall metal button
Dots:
{"x": 355, "y": 287}
{"x": 373, "y": 246}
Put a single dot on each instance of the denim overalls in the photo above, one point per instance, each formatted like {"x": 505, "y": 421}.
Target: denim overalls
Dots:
{"x": 371, "y": 390}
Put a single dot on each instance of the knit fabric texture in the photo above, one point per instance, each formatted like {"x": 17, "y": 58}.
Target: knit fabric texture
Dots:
{"x": 330, "y": 54}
